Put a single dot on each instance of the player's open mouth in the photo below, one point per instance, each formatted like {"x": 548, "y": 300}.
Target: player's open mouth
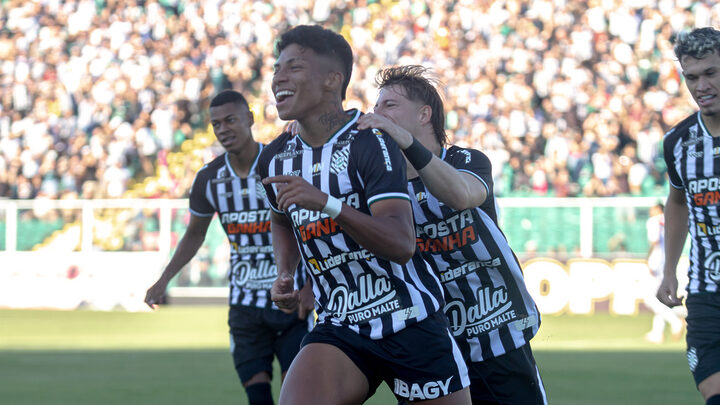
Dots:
{"x": 705, "y": 100}
{"x": 283, "y": 95}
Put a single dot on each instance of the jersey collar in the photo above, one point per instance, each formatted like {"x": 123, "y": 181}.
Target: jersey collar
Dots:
{"x": 252, "y": 167}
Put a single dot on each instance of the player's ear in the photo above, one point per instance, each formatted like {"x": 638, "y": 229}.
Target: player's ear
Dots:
{"x": 251, "y": 118}
{"x": 425, "y": 114}
{"x": 334, "y": 80}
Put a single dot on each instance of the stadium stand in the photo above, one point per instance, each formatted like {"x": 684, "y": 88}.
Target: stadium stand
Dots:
{"x": 106, "y": 98}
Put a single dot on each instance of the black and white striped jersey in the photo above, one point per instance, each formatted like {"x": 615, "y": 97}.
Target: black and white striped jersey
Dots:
{"x": 353, "y": 288}
{"x": 692, "y": 156}
{"x": 488, "y": 306}
{"x": 245, "y": 216}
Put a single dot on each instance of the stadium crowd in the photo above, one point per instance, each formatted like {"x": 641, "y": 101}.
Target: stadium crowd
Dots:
{"x": 567, "y": 98}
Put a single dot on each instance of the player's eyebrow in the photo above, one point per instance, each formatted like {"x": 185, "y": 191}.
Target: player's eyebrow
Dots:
{"x": 223, "y": 117}
{"x": 276, "y": 65}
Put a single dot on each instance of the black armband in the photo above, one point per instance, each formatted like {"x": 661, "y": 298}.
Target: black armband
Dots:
{"x": 418, "y": 155}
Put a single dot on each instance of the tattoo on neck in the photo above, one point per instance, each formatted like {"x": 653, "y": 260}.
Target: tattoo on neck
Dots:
{"x": 331, "y": 121}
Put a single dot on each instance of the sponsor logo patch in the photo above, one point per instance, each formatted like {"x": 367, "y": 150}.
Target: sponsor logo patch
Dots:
{"x": 491, "y": 310}
{"x": 373, "y": 298}
{"x": 446, "y": 235}
{"x": 258, "y": 277}
{"x": 418, "y": 391}
{"x": 290, "y": 151}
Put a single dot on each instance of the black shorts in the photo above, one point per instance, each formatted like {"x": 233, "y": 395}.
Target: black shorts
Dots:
{"x": 703, "y": 335}
{"x": 419, "y": 362}
{"x": 258, "y": 334}
{"x": 510, "y": 379}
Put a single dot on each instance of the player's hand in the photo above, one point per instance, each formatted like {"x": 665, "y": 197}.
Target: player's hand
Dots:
{"x": 293, "y": 128}
{"x": 306, "y": 303}
{"x": 155, "y": 293}
{"x": 284, "y": 294}
{"x": 296, "y": 190}
{"x": 667, "y": 292}
{"x": 399, "y": 134}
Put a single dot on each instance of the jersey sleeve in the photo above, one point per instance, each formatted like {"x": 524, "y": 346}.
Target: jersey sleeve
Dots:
{"x": 669, "y": 141}
{"x": 263, "y": 169}
{"x": 380, "y": 165}
{"x": 473, "y": 162}
{"x": 200, "y": 205}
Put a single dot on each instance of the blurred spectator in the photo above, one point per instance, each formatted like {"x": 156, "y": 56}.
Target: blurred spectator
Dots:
{"x": 567, "y": 98}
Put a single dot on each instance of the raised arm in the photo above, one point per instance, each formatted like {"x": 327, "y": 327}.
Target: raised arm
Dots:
{"x": 186, "y": 249}
{"x": 454, "y": 188}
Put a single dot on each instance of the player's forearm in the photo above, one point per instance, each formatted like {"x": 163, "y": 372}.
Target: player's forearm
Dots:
{"x": 285, "y": 248}
{"x": 185, "y": 251}
{"x": 387, "y": 236}
{"x": 676, "y": 230}
{"x": 452, "y": 187}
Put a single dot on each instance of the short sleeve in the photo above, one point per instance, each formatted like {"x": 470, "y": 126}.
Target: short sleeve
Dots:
{"x": 381, "y": 166}
{"x": 669, "y": 141}
{"x": 200, "y": 204}
{"x": 473, "y": 162}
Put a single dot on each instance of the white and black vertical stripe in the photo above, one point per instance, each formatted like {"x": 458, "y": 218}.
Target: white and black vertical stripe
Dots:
{"x": 692, "y": 154}
{"x": 218, "y": 189}
{"x": 348, "y": 166}
{"x": 490, "y": 244}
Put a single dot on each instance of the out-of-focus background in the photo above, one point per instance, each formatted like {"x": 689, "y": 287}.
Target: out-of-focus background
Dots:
{"x": 103, "y": 124}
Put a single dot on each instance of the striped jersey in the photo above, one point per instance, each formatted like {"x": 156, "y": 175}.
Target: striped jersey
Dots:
{"x": 245, "y": 217}
{"x": 692, "y": 156}
{"x": 353, "y": 288}
{"x": 488, "y": 306}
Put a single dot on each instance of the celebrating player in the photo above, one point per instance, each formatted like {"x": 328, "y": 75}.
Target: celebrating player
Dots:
{"x": 491, "y": 313}
{"x": 230, "y": 187}
{"x": 340, "y": 203}
{"x": 690, "y": 150}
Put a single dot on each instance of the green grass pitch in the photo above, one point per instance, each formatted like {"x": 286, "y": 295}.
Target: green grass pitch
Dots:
{"x": 179, "y": 355}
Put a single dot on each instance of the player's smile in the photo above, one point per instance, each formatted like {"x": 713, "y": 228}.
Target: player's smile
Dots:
{"x": 296, "y": 77}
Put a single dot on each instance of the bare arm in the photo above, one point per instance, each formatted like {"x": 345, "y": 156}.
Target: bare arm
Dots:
{"x": 287, "y": 257}
{"x": 187, "y": 248}
{"x": 453, "y": 188}
{"x": 388, "y": 233}
{"x": 676, "y": 230}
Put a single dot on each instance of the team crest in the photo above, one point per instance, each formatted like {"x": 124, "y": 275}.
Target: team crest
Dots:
{"x": 712, "y": 264}
{"x": 339, "y": 160}
{"x": 259, "y": 189}
{"x": 467, "y": 156}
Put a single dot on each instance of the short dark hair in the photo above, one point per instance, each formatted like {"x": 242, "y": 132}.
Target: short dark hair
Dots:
{"x": 228, "y": 96}
{"x": 697, "y": 43}
{"x": 418, "y": 86}
{"x": 324, "y": 42}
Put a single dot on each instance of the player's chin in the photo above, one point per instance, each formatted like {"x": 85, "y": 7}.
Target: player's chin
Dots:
{"x": 285, "y": 112}
{"x": 711, "y": 111}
